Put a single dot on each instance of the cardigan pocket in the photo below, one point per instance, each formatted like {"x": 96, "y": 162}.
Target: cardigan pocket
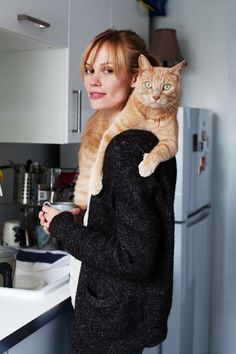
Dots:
{"x": 113, "y": 316}
{"x": 104, "y": 302}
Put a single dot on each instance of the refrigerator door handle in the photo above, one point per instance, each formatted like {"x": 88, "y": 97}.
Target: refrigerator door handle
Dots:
{"x": 199, "y": 216}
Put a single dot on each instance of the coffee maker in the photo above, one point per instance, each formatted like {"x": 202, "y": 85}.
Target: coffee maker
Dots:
{"x": 35, "y": 185}
{"x": 32, "y": 187}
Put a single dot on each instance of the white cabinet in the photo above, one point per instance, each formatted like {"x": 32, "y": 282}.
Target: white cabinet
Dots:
{"x": 53, "y": 12}
{"x": 42, "y": 98}
{"x": 153, "y": 350}
{"x": 53, "y": 338}
{"x": 32, "y": 96}
{"x": 84, "y": 25}
{"x": 188, "y": 324}
{"x": 120, "y": 14}
{"x": 130, "y": 15}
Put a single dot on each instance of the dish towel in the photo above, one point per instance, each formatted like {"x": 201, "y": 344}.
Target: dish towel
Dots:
{"x": 39, "y": 257}
{"x": 52, "y": 265}
{"x": 75, "y": 266}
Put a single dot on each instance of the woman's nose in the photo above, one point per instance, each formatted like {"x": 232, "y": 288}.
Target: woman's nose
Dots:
{"x": 95, "y": 80}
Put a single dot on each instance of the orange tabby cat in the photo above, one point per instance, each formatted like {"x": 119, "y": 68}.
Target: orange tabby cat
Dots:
{"x": 152, "y": 106}
{"x": 90, "y": 141}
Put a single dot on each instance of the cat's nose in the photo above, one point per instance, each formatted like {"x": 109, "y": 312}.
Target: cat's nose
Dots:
{"x": 156, "y": 97}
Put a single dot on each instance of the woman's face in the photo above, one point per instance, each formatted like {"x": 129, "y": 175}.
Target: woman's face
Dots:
{"x": 105, "y": 90}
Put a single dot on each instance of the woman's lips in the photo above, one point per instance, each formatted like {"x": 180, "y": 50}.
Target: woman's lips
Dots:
{"x": 96, "y": 95}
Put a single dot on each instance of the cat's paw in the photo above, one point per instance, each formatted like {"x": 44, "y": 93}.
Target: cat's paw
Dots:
{"x": 96, "y": 186}
{"x": 146, "y": 167}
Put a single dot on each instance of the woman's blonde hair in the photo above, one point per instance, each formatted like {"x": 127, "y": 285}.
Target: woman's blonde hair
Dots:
{"x": 124, "y": 48}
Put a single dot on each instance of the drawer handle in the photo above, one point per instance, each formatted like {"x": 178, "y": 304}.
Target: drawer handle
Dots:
{"x": 36, "y": 21}
{"x": 78, "y": 94}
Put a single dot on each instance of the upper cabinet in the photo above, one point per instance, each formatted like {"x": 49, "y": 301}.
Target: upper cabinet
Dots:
{"x": 85, "y": 23}
{"x": 42, "y": 98}
{"x": 43, "y": 20}
{"x": 130, "y": 15}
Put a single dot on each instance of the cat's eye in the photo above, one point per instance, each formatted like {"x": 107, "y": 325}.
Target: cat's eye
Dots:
{"x": 166, "y": 87}
{"x": 148, "y": 84}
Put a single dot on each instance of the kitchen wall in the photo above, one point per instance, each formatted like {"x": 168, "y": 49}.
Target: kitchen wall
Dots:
{"x": 206, "y": 34}
{"x": 20, "y": 153}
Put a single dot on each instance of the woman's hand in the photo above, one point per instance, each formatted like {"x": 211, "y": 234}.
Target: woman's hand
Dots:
{"x": 47, "y": 214}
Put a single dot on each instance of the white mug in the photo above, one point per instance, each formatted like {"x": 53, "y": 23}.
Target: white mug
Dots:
{"x": 62, "y": 206}
{"x": 9, "y": 233}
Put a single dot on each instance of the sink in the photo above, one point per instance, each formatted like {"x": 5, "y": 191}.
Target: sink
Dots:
{"x": 37, "y": 279}
{"x": 29, "y": 282}
{"x": 39, "y": 288}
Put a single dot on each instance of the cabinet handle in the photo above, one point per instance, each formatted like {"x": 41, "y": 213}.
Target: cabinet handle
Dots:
{"x": 36, "y": 21}
{"x": 78, "y": 94}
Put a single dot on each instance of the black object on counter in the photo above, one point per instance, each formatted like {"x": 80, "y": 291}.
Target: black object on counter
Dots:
{"x": 6, "y": 272}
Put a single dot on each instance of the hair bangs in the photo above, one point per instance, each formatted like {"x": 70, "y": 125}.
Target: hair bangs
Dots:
{"x": 116, "y": 54}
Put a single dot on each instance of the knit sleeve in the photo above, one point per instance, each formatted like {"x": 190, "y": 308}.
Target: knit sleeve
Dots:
{"x": 130, "y": 245}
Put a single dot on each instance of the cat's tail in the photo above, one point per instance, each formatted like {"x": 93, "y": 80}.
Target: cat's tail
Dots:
{"x": 80, "y": 194}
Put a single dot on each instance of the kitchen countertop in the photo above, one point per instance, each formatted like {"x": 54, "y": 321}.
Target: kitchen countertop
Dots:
{"x": 17, "y": 313}
{"x": 42, "y": 293}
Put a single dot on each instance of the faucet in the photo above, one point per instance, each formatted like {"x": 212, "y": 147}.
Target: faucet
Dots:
{"x": 2, "y": 167}
{"x": 1, "y": 178}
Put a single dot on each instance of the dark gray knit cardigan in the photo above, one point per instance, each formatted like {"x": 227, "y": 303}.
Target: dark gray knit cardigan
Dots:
{"x": 125, "y": 286}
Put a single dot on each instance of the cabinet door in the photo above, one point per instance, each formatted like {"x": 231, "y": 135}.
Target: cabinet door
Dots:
{"x": 86, "y": 21}
{"x": 202, "y": 255}
{"x": 189, "y": 317}
{"x": 153, "y": 350}
{"x": 52, "y": 338}
{"x": 32, "y": 96}
{"x": 110, "y": 13}
{"x": 54, "y": 12}
{"x": 130, "y": 15}
{"x": 180, "y": 323}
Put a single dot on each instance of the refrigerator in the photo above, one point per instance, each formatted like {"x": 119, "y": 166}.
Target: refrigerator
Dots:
{"x": 188, "y": 323}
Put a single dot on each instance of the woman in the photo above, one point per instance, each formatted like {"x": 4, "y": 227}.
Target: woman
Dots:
{"x": 125, "y": 284}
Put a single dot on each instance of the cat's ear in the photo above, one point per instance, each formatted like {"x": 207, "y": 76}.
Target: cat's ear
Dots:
{"x": 143, "y": 64}
{"x": 177, "y": 69}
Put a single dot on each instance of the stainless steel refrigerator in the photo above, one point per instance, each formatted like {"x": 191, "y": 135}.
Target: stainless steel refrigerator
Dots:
{"x": 188, "y": 324}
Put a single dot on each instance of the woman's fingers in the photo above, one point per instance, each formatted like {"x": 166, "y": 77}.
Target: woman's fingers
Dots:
{"x": 75, "y": 211}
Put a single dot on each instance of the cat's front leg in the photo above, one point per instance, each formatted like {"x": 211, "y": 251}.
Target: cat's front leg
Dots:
{"x": 147, "y": 166}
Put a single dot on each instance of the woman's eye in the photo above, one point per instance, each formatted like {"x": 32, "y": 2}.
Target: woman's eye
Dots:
{"x": 88, "y": 70}
{"x": 108, "y": 70}
{"x": 166, "y": 87}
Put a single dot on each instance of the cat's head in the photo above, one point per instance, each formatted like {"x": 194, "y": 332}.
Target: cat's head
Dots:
{"x": 158, "y": 87}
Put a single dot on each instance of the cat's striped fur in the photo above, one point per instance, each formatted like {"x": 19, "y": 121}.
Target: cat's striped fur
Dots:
{"x": 152, "y": 106}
